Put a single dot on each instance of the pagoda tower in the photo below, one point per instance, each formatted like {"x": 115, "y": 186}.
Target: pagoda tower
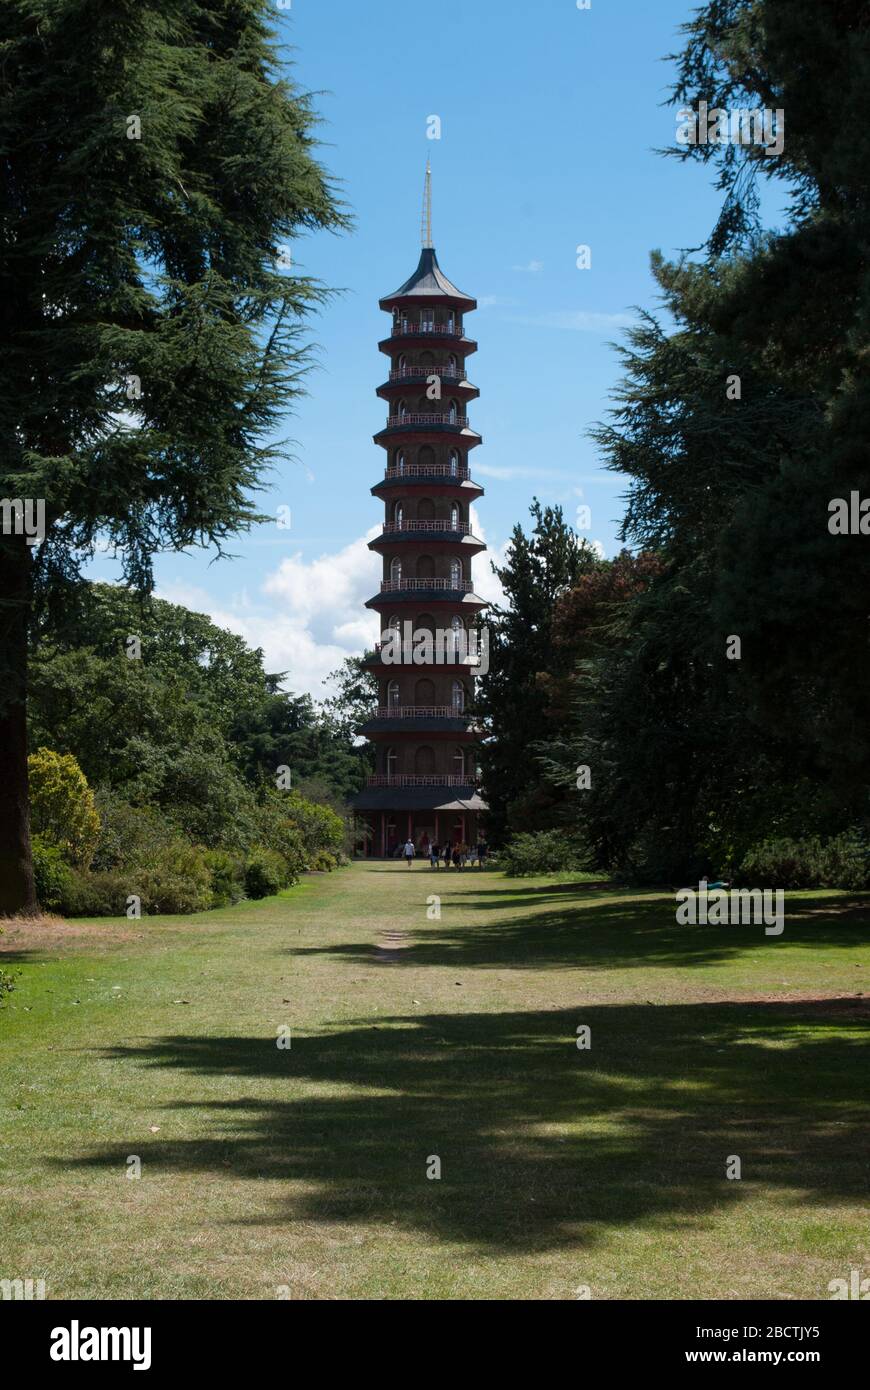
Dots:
{"x": 425, "y": 783}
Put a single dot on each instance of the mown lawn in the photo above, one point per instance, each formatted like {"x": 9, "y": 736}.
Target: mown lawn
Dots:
{"x": 303, "y": 1168}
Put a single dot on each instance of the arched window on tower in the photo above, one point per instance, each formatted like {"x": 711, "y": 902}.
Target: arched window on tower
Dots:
{"x": 458, "y": 631}
{"x": 393, "y": 695}
{"x": 451, "y": 321}
{"x": 427, "y": 320}
{"x": 399, "y": 462}
{"x": 425, "y": 567}
{"x": 403, "y": 409}
{"x": 453, "y": 413}
{"x": 392, "y": 762}
{"x": 454, "y": 516}
{"x": 455, "y": 573}
{"x": 402, "y": 364}
{"x": 458, "y": 697}
{"x": 396, "y": 570}
{"x": 459, "y": 762}
{"x": 454, "y": 462}
{"x": 451, "y": 363}
{"x": 425, "y": 509}
{"x": 398, "y": 514}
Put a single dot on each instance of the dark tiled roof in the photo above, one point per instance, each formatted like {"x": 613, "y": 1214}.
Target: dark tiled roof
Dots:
{"x": 416, "y": 799}
{"x": 429, "y": 280}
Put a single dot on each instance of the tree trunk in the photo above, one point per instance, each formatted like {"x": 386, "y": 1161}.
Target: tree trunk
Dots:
{"x": 17, "y": 892}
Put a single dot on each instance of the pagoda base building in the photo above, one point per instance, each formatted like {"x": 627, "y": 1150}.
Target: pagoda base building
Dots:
{"x": 425, "y": 786}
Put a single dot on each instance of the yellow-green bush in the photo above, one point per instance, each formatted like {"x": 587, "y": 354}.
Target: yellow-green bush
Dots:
{"x": 62, "y": 808}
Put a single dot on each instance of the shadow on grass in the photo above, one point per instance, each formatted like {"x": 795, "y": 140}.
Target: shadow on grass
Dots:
{"x": 600, "y": 931}
{"x": 542, "y": 1145}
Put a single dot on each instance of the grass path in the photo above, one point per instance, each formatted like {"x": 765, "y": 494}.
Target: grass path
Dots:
{"x": 303, "y": 1168}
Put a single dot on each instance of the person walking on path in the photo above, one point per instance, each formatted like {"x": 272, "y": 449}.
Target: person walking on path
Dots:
{"x": 456, "y": 855}
{"x": 433, "y": 856}
{"x": 482, "y": 851}
{"x": 409, "y": 852}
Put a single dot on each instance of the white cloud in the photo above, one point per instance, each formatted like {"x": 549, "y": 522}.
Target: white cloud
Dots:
{"x": 533, "y": 268}
{"x": 488, "y": 470}
{"x": 578, "y": 320}
{"x": 492, "y": 301}
{"x": 308, "y": 615}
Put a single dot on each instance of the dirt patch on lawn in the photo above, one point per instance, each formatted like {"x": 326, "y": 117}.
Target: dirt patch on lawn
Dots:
{"x": 817, "y": 1005}
{"x": 20, "y": 935}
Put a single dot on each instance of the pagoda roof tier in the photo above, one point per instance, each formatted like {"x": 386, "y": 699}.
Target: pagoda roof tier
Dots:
{"x": 437, "y": 484}
{"x": 433, "y": 540}
{"x": 426, "y": 434}
{"x": 428, "y": 283}
{"x": 398, "y": 485}
{"x": 376, "y": 662}
{"x": 415, "y": 337}
{"x": 399, "y": 730}
{"x": 418, "y": 799}
{"x": 437, "y": 600}
{"x": 401, "y": 385}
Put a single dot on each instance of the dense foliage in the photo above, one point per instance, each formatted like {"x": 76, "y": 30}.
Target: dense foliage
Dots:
{"x": 154, "y": 169}
{"x": 717, "y": 684}
{"x": 196, "y": 757}
{"x": 510, "y": 699}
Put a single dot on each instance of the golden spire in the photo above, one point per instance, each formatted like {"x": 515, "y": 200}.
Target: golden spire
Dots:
{"x": 426, "y": 219}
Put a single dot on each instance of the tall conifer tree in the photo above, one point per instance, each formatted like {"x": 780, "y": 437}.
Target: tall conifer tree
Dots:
{"x": 154, "y": 170}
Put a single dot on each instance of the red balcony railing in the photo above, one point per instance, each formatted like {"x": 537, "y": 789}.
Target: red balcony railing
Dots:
{"x": 404, "y": 328}
{"x": 392, "y": 586}
{"x": 426, "y": 417}
{"x": 413, "y": 779}
{"x": 445, "y": 372}
{"x": 428, "y": 470}
{"x": 419, "y": 712}
{"x": 459, "y": 528}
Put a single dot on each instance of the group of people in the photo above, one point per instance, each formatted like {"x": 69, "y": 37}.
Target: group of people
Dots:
{"x": 458, "y": 854}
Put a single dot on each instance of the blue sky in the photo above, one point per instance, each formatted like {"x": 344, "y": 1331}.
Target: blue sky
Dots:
{"x": 550, "y": 117}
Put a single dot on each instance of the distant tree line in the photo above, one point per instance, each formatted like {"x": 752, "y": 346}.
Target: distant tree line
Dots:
{"x": 197, "y": 778}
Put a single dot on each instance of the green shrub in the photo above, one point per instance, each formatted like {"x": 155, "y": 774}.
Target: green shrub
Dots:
{"x": 227, "y": 877}
{"x": 284, "y": 838}
{"x": 129, "y": 835}
{"x": 541, "y": 852}
{"x": 50, "y": 872}
{"x": 101, "y": 894}
{"x": 840, "y": 862}
{"x": 324, "y": 862}
{"x": 319, "y": 826}
{"x": 62, "y": 808}
{"x": 265, "y": 873}
{"x": 178, "y": 880}
{"x": 299, "y": 830}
